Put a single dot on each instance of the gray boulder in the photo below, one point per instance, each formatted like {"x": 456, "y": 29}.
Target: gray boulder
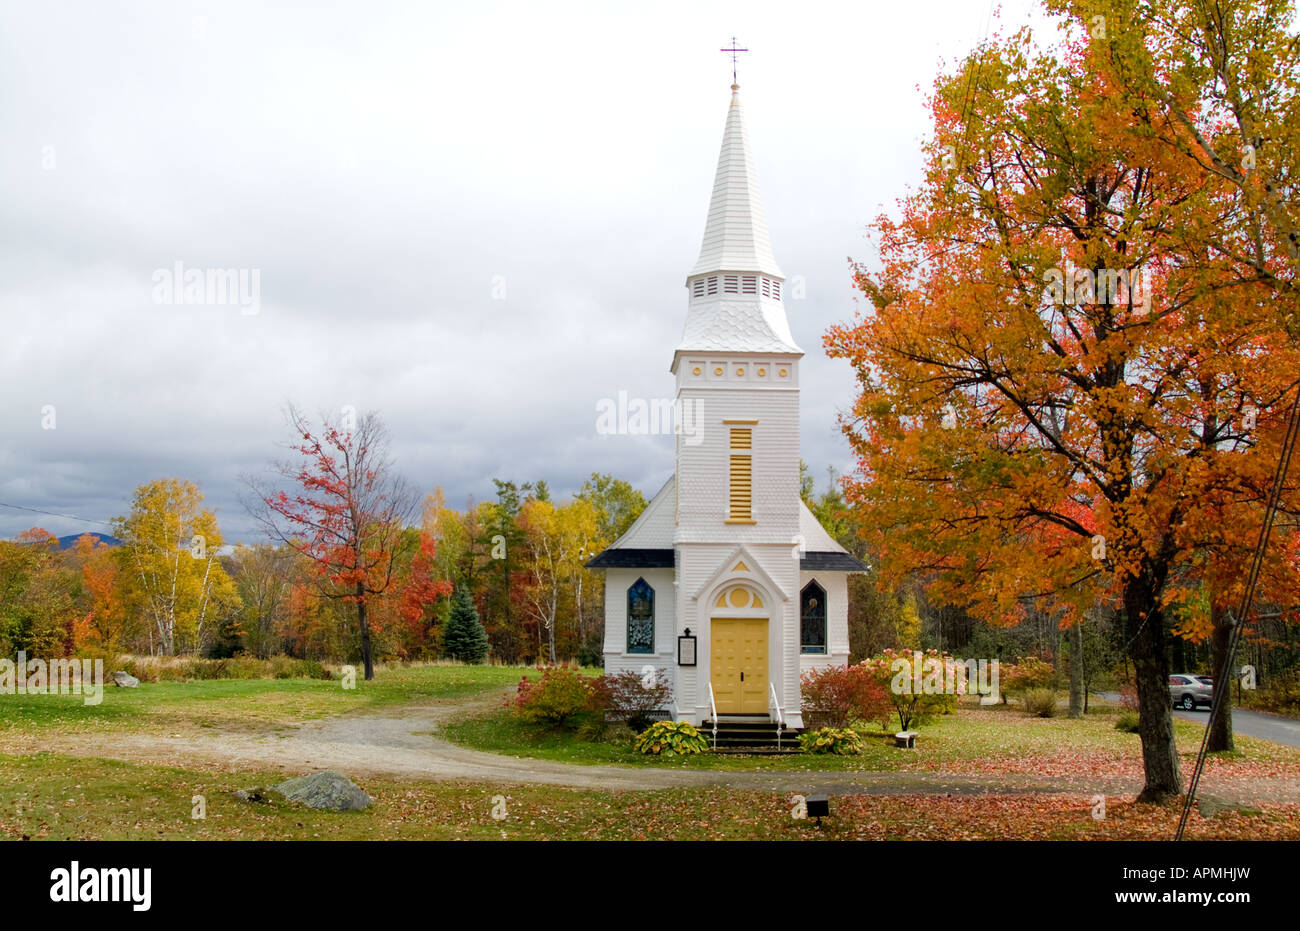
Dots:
{"x": 125, "y": 680}
{"x": 326, "y": 791}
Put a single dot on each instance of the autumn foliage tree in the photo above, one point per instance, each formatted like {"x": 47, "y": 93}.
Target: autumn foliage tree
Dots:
{"x": 1067, "y": 395}
{"x": 106, "y": 622}
{"x": 555, "y": 543}
{"x": 346, "y": 512}
{"x": 37, "y": 612}
{"x": 172, "y": 574}
{"x": 1215, "y": 87}
{"x": 417, "y": 592}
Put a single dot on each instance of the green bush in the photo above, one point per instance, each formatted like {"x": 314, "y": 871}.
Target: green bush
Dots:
{"x": 560, "y": 698}
{"x": 1040, "y": 702}
{"x": 1280, "y": 694}
{"x": 1127, "y": 722}
{"x": 841, "y": 741}
{"x": 669, "y": 738}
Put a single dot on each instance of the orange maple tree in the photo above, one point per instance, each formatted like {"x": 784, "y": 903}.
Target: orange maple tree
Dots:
{"x": 1065, "y": 395}
{"x": 103, "y": 626}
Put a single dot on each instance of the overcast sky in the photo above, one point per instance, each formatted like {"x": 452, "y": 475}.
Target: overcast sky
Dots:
{"x": 476, "y": 219}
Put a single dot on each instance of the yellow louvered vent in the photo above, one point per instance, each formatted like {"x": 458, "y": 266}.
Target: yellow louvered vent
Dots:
{"x": 742, "y": 488}
{"x": 741, "y": 500}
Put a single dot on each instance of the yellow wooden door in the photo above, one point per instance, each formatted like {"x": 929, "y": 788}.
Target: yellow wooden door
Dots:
{"x": 738, "y": 664}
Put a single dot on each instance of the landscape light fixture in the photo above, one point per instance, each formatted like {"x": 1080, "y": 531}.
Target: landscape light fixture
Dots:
{"x": 819, "y": 806}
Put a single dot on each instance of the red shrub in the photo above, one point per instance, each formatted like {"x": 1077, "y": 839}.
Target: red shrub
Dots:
{"x": 839, "y": 696}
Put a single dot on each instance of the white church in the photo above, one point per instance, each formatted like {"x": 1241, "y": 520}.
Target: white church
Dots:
{"x": 726, "y": 582}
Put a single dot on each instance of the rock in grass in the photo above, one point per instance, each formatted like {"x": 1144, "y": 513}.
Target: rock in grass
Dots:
{"x": 125, "y": 680}
{"x": 325, "y": 791}
{"x": 1211, "y": 806}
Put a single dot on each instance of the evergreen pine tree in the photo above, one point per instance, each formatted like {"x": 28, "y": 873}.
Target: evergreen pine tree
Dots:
{"x": 464, "y": 637}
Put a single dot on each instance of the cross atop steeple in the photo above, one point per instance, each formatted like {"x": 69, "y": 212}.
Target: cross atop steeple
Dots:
{"x": 734, "y": 51}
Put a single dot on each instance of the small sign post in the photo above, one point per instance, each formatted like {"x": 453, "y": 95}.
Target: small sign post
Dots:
{"x": 686, "y": 649}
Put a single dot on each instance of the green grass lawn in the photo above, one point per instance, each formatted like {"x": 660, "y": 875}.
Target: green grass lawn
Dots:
{"x": 994, "y": 740}
{"x": 46, "y": 796}
{"x": 974, "y": 740}
{"x": 235, "y": 704}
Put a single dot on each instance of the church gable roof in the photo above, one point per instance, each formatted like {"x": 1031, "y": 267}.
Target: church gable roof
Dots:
{"x": 815, "y": 537}
{"x": 821, "y": 552}
{"x": 653, "y": 530}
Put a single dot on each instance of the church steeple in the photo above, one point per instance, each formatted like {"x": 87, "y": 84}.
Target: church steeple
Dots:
{"x": 736, "y": 286}
{"x": 736, "y": 237}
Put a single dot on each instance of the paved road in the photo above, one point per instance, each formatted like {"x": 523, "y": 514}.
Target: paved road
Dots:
{"x": 1285, "y": 731}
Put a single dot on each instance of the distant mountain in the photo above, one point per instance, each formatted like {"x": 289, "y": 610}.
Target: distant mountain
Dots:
{"x": 70, "y": 540}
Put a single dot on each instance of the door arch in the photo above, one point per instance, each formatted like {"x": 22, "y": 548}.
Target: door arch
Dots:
{"x": 739, "y": 618}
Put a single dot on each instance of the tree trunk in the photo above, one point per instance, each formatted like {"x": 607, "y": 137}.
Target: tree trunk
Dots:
{"x": 1221, "y": 726}
{"x": 365, "y": 632}
{"x": 1144, "y": 629}
{"x": 1076, "y": 669}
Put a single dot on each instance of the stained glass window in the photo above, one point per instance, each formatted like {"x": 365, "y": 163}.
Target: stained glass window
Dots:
{"x": 812, "y": 619}
{"x": 640, "y": 618}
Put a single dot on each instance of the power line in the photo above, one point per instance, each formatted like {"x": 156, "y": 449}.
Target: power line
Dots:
{"x": 1221, "y": 677}
{"x": 84, "y": 520}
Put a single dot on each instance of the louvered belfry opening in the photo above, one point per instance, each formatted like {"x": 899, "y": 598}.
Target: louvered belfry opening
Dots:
{"x": 712, "y": 285}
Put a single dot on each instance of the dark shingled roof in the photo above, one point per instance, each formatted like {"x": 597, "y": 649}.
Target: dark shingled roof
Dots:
{"x": 627, "y": 558}
{"x": 831, "y": 562}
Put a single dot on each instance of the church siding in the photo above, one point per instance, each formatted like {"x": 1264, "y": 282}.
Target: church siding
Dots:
{"x": 703, "y": 469}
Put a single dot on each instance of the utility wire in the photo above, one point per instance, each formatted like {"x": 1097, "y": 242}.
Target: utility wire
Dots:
{"x": 84, "y": 520}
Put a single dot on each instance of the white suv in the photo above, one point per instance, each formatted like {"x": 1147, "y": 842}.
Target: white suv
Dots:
{"x": 1188, "y": 691}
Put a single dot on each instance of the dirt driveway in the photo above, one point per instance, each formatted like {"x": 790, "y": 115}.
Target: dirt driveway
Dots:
{"x": 403, "y": 742}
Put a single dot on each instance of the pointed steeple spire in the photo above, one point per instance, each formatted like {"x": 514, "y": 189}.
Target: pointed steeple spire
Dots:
{"x": 735, "y": 237}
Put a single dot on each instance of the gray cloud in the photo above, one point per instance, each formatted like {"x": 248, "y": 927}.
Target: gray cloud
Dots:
{"x": 382, "y": 166}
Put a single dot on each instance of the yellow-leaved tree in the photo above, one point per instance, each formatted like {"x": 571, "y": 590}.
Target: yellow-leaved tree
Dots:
{"x": 173, "y": 575}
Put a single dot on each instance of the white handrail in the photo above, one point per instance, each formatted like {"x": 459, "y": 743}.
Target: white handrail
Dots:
{"x": 780, "y": 715}
{"x": 713, "y": 707}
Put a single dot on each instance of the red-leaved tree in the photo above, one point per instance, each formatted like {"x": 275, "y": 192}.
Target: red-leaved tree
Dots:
{"x": 346, "y": 512}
